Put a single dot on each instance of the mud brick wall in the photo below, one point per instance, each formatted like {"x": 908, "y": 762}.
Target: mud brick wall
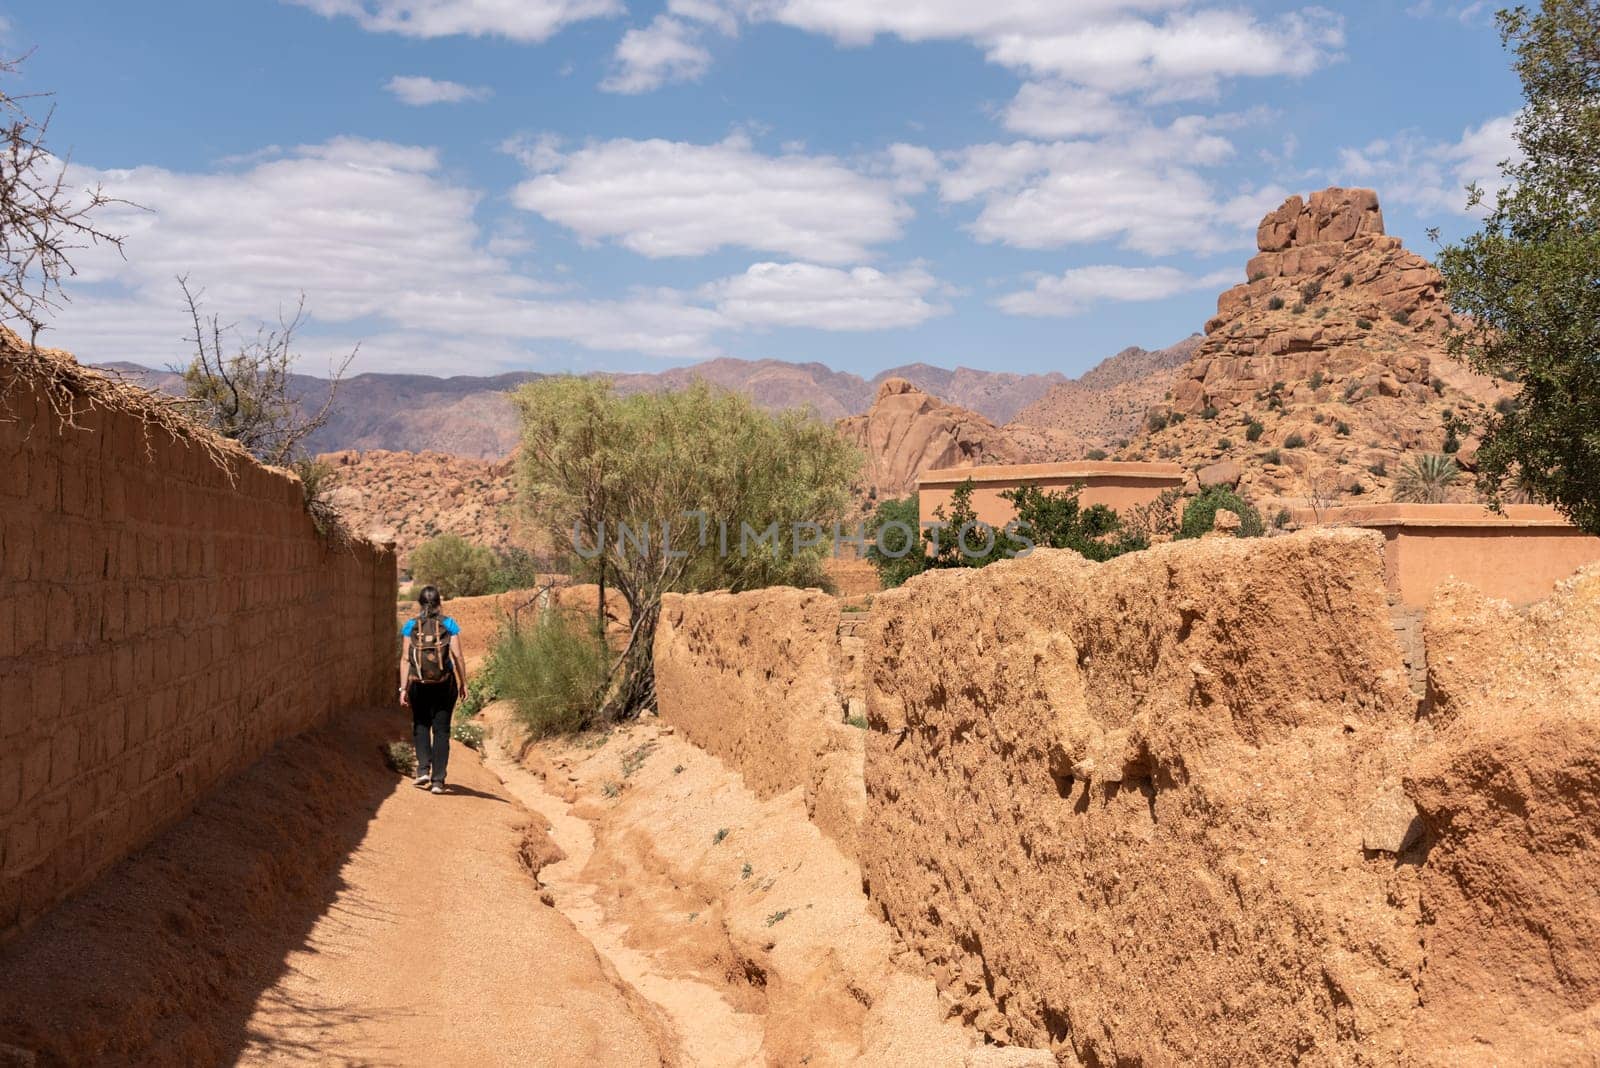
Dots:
{"x": 757, "y": 679}
{"x": 1144, "y": 811}
{"x": 160, "y": 628}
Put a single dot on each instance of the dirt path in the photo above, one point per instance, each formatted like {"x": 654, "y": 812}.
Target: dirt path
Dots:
{"x": 320, "y": 910}
{"x": 438, "y": 950}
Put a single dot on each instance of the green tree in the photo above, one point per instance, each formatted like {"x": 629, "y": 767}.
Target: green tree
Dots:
{"x": 1529, "y": 281}
{"x": 689, "y": 489}
{"x": 1426, "y": 479}
{"x": 894, "y": 541}
{"x": 455, "y": 565}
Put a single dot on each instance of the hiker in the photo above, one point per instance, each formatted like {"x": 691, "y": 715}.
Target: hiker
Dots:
{"x": 432, "y": 674}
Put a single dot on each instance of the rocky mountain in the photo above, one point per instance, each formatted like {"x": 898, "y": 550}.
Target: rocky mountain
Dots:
{"x": 907, "y": 431}
{"x": 470, "y": 416}
{"x": 409, "y": 497}
{"x": 1106, "y": 406}
{"x": 1326, "y": 371}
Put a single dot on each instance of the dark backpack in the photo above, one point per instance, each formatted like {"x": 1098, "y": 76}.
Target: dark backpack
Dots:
{"x": 430, "y": 651}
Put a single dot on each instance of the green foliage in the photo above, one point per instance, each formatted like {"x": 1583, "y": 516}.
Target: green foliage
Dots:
{"x": 1351, "y": 389}
{"x": 455, "y": 565}
{"x": 554, "y": 672}
{"x": 1294, "y": 441}
{"x": 1310, "y": 291}
{"x": 1438, "y": 386}
{"x": 1527, "y": 286}
{"x": 1282, "y": 520}
{"x": 1201, "y": 512}
{"x": 1095, "y": 454}
{"x": 1208, "y": 412}
{"x": 1347, "y": 279}
{"x": 516, "y": 568}
{"x": 1299, "y": 307}
{"x": 1381, "y": 469}
{"x": 1224, "y": 444}
{"x": 895, "y": 522}
{"x": 1253, "y": 430}
{"x": 594, "y": 463}
{"x": 1402, "y": 317}
{"x": 859, "y": 722}
{"x": 1272, "y": 456}
{"x": 1363, "y": 324}
{"x": 1258, "y": 276}
{"x": 720, "y": 836}
{"x": 1275, "y": 304}
{"x": 1317, "y": 378}
{"x": 1342, "y": 428}
{"x": 1157, "y": 421}
{"x": 1426, "y": 479}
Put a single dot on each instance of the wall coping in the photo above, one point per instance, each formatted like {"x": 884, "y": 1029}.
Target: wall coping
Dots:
{"x": 1013, "y": 473}
{"x": 1423, "y": 516}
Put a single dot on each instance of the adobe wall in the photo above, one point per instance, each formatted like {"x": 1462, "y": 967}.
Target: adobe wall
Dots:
{"x": 161, "y": 628}
{"x": 758, "y": 679}
{"x": 1147, "y": 811}
{"x": 1509, "y": 793}
{"x": 1518, "y": 556}
{"x": 1117, "y": 485}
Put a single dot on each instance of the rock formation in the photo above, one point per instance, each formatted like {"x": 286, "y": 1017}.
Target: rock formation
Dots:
{"x": 1325, "y": 370}
{"x": 908, "y": 431}
{"x": 409, "y": 497}
{"x": 1105, "y": 407}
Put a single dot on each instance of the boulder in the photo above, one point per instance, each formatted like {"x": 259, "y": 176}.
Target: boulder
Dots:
{"x": 1224, "y": 473}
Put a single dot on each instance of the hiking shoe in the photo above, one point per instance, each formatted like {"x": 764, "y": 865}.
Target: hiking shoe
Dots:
{"x": 437, "y": 788}
{"x": 422, "y": 781}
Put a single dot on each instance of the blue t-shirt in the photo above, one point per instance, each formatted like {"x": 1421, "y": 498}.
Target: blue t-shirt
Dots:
{"x": 450, "y": 627}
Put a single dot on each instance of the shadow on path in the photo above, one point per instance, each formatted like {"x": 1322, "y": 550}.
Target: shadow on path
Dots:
{"x": 162, "y": 960}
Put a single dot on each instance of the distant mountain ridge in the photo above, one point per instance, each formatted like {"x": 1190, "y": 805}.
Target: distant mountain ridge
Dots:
{"x": 467, "y": 415}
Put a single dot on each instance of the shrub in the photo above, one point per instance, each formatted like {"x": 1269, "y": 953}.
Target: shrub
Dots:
{"x": 1426, "y": 479}
{"x": 1317, "y": 378}
{"x": 468, "y": 734}
{"x": 1438, "y": 386}
{"x": 1282, "y": 519}
{"x": 1342, "y": 429}
{"x": 1310, "y": 291}
{"x": 1294, "y": 441}
{"x": 1095, "y": 454}
{"x": 1348, "y": 279}
{"x": 1363, "y": 324}
{"x": 1275, "y": 304}
{"x": 401, "y": 757}
{"x": 1357, "y": 489}
{"x": 1402, "y": 317}
{"x": 1272, "y": 456}
{"x": 1208, "y": 412}
{"x": 1381, "y": 469}
{"x": 1350, "y": 390}
{"x": 1224, "y": 444}
{"x": 1506, "y": 405}
{"x": 554, "y": 673}
{"x": 516, "y": 569}
{"x": 455, "y": 565}
{"x": 1201, "y": 512}
{"x": 1254, "y": 430}
{"x": 1299, "y": 307}
{"x": 1258, "y": 276}
{"x": 1157, "y": 421}
{"x": 895, "y": 524}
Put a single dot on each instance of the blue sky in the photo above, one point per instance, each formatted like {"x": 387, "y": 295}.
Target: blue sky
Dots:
{"x": 470, "y": 186}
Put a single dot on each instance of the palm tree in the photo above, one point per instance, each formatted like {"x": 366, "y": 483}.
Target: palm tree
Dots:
{"x": 1426, "y": 479}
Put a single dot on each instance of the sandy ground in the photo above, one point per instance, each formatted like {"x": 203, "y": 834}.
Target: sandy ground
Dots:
{"x": 320, "y": 910}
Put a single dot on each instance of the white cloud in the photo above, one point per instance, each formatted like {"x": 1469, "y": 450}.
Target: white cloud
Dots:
{"x": 528, "y": 21}
{"x": 1142, "y": 188}
{"x": 1107, "y": 45}
{"x": 1432, "y": 176}
{"x": 419, "y": 91}
{"x": 667, "y": 50}
{"x": 1075, "y": 291}
{"x": 1052, "y": 110}
{"x": 372, "y": 233}
{"x": 827, "y": 298}
{"x": 672, "y": 198}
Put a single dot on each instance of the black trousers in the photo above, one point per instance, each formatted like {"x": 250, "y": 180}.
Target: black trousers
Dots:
{"x": 431, "y": 707}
